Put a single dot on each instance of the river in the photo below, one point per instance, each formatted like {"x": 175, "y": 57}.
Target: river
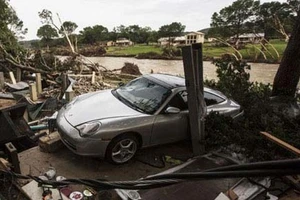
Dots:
{"x": 259, "y": 72}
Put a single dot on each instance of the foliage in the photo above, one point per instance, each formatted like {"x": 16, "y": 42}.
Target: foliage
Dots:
{"x": 46, "y": 32}
{"x": 171, "y": 52}
{"x": 11, "y": 27}
{"x": 275, "y": 17}
{"x": 259, "y": 116}
{"x": 91, "y": 35}
{"x": 171, "y": 30}
{"x": 231, "y": 19}
{"x": 69, "y": 27}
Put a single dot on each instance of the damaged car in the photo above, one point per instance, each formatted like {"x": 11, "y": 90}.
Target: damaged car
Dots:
{"x": 149, "y": 110}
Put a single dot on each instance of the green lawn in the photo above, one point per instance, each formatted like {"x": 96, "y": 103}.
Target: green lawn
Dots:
{"x": 251, "y": 51}
{"x": 133, "y": 50}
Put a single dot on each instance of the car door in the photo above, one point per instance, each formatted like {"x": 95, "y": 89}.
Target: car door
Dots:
{"x": 171, "y": 127}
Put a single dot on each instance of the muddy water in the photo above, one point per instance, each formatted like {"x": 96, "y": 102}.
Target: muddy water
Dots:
{"x": 260, "y": 72}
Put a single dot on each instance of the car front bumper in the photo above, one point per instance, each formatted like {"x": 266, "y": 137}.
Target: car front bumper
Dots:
{"x": 79, "y": 145}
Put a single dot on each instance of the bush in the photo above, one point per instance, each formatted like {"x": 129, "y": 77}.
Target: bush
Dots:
{"x": 259, "y": 115}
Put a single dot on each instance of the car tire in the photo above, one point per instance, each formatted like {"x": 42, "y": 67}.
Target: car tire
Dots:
{"x": 122, "y": 149}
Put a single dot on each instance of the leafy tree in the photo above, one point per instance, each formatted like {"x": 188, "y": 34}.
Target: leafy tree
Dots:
{"x": 121, "y": 31}
{"x": 275, "y": 17}
{"x": 69, "y": 27}
{"x": 294, "y": 4}
{"x": 46, "y": 32}
{"x": 171, "y": 30}
{"x": 91, "y": 35}
{"x": 11, "y": 27}
{"x": 231, "y": 19}
{"x": 138, "y": 34}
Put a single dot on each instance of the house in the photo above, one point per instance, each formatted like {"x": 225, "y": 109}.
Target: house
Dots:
{"x": 164, "y": 41}
{"x": 123, "y": 42}
{"x": 247, "y": 38}
{"x": 110, "y": 43}
{"x": 179, "y": 41}
{"x": 194, "y": 37}
{"x": 190, "y": 38}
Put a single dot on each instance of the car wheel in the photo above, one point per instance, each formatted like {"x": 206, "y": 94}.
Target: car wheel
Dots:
{"x": 122, "y": 149}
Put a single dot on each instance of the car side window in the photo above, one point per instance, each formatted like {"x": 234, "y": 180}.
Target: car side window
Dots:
{"x": 211, "y": 99}
{"x": 178, "y": 102}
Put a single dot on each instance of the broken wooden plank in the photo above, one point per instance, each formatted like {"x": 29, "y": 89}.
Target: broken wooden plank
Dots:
{"x": 281, "y": 143}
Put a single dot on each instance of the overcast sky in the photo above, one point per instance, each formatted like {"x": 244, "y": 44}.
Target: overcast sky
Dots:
{"x": 195, "y": 14}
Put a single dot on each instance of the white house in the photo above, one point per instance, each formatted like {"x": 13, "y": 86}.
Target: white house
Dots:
{"x": 178, "y": 41}
{"x": 190, "y": 38}
{"x": 194, "y": 37}
{"x": 123, "y": 42}
{"x": 164, "y": 41}
{"x": 248, "y": 38}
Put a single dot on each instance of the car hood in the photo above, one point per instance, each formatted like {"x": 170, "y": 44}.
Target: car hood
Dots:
{"x": 96, "y": 106}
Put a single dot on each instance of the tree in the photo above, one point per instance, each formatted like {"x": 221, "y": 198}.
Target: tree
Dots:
{"x": 171, "y": 30}
{"x": 138, "y": 34}
{"x": 46, "y": 32}
{"x": 69, "y": 27}
{"x": 287, "y": 76}
{"x": 230, "y": 21}
{"x": 91, "y": 35}
{"x": 11, "y": 27}
{"x": 275, "y": 17}
{"x": 121, "y": 31}
{"x": 295, "y": 5}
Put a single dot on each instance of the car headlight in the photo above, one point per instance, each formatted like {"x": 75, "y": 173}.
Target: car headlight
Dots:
{"x": 88, "y": 128}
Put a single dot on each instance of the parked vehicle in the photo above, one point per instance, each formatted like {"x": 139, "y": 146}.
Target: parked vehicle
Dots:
{"x": 148, "y": 111}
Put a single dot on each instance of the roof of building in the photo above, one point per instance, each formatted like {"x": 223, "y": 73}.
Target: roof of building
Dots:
{"x": 195, "y": 33}
{"x": 250, "y": 35}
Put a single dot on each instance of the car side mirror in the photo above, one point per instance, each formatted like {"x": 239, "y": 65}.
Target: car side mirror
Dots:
{"x": 172, "y": 110}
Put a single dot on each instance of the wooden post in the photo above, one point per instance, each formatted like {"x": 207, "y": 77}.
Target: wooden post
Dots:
{"x": 12, "y": 78}
{"x": 93, "y": 77}
{"x": 33, "y": 92}
{"x": 192, "y": 62}
{"x": 70, "y": 95}
{"x": 19, "y": 74}
{"x": 38, "y": 80}
{"x": 2, "y": 80}
{"x": 13, "y": 157}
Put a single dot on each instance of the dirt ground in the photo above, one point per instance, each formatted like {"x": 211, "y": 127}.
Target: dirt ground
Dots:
{"x": 69, "y": 165}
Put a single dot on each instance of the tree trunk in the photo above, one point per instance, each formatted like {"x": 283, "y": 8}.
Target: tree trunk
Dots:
{"x": 287, "y": 76}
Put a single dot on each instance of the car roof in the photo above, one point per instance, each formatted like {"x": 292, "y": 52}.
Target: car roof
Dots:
{"x": 171, "y": 81}
{"x": 167, "y": 80}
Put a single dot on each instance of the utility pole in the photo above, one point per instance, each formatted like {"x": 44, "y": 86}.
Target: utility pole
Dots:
{"x": 193, "y": 70}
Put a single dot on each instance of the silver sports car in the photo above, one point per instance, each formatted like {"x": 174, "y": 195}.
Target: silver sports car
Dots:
{"x": 148, "y": 111}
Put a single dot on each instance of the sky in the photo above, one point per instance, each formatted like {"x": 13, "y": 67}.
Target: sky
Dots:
{"x": 194, "y": 14}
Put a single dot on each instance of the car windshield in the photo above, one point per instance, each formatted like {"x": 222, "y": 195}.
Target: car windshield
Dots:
{"x": 143, "y": 95}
